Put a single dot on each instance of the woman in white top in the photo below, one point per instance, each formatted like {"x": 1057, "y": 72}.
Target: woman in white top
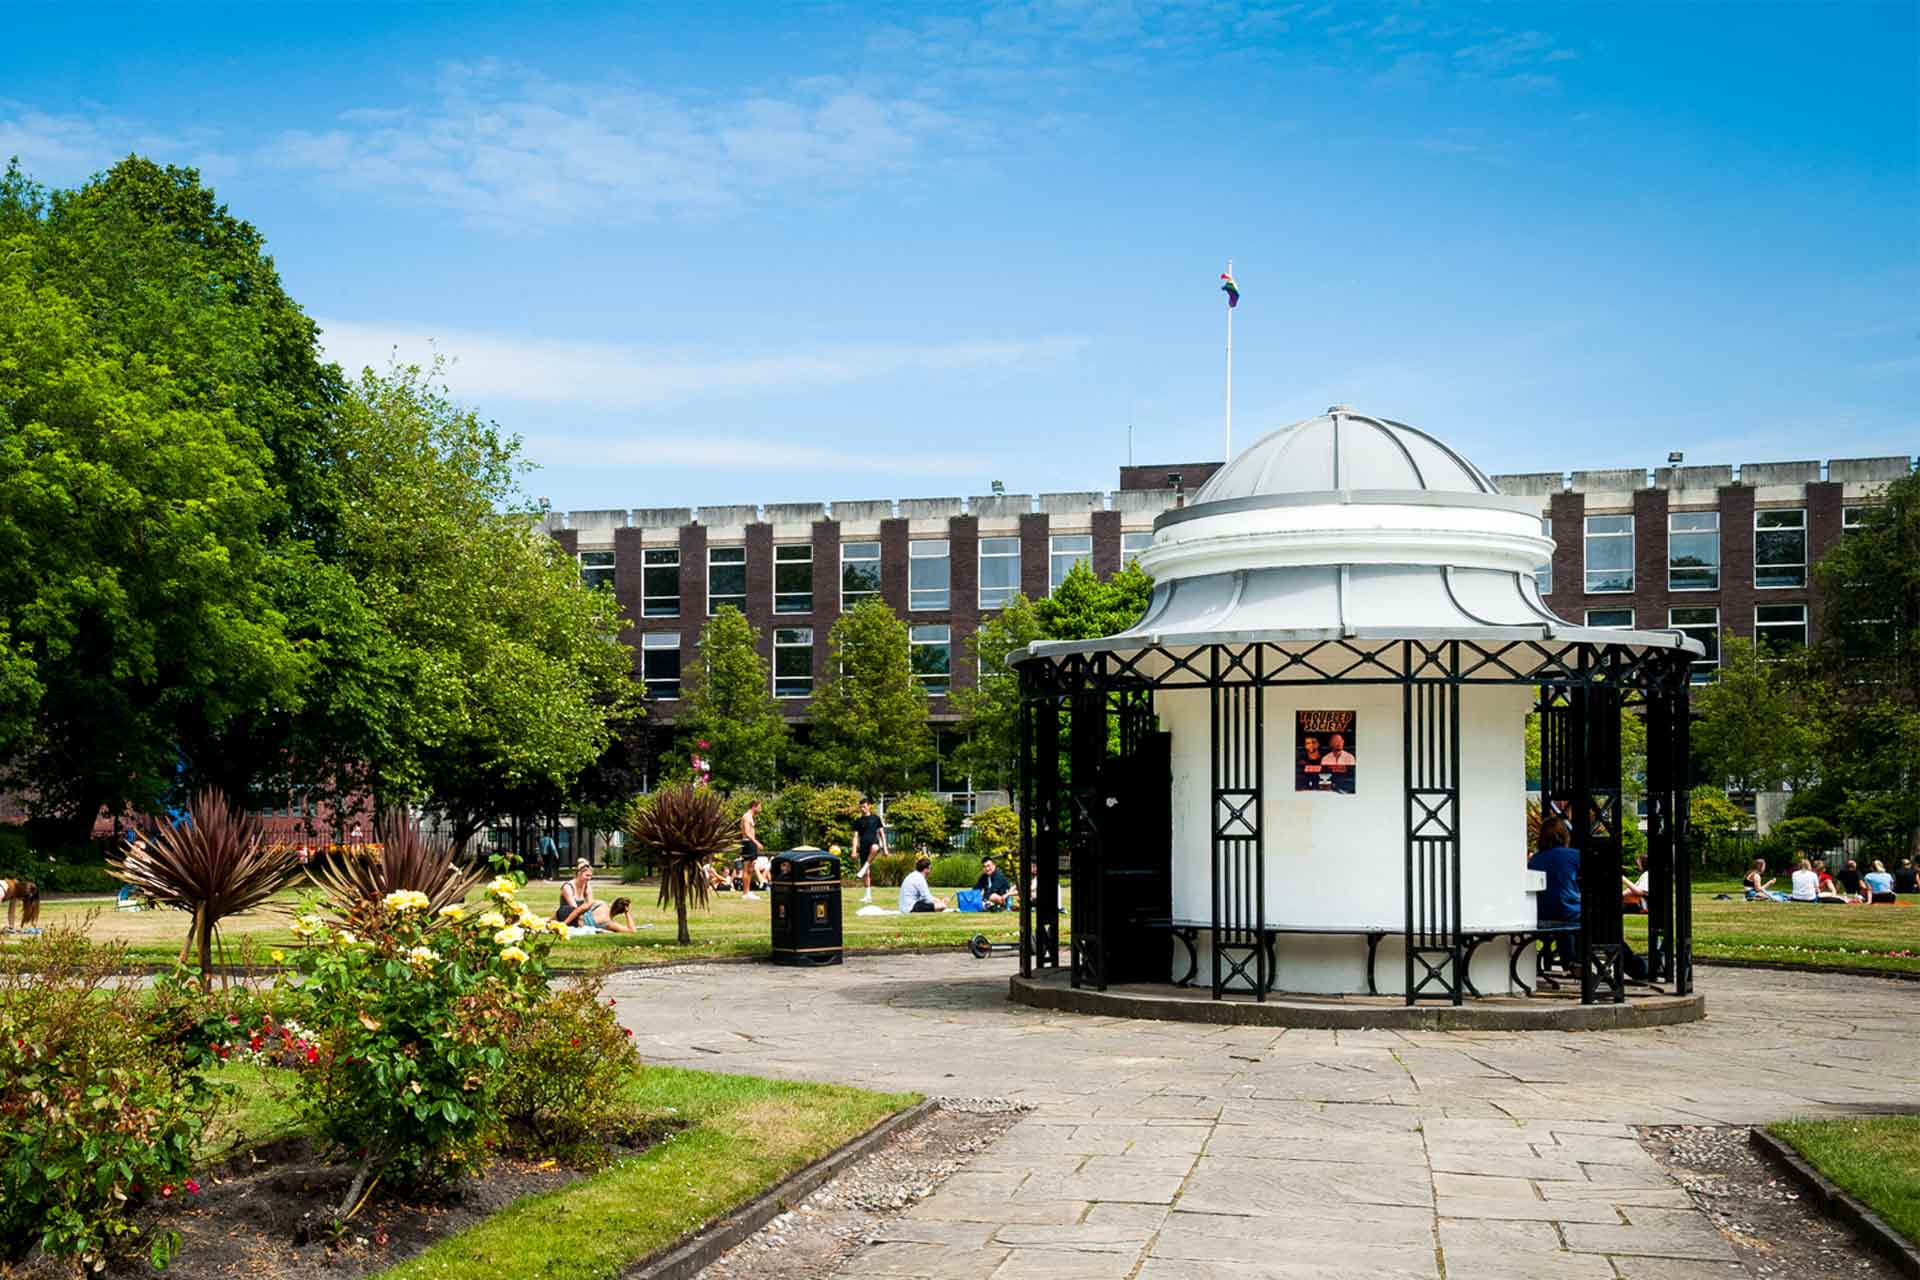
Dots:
{"x": 1806, "y": 885}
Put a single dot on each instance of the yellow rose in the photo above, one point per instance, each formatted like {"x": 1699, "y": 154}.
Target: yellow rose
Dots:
{"x": 454, "y": 911}
{"x": 493, "y": 920}
{"x": 503, "y": 887}
{"x": 278, "y": 957}
{"x": 308, "y": 926}
{"x": 513, "y": 955}
{"x": 421, "y": 957}
{"x": 406, "y": 900}
{"x": 509, "y": 935}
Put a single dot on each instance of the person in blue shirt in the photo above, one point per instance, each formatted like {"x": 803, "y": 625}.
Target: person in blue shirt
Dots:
{"x": 1560, "y": 900}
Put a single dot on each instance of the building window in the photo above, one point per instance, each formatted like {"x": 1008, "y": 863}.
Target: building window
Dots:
{"x": 928, "y": 574}
{"x": 1543, "y": 576}
{"x": 1132, "y": 544}
{"x": 999, "y": 571}
{"x": 793, "y": 578}
{"x": 596, "y": 569}
{"x": 792, "y": 662}
{"x": 1693, "y": 551}
{"x": 1780, "y": 548}
{"x": 932, "y": 657}
{"x": 1609, "y": 553}
{"x": 1610, "y": 619}
{"x": 1702, "y": 624}
{"x": 1065, "y": 551}
{"x": 859, "y": 572}
{"x": 726, "y": 578}
{"x": 1779, "y": 627}
{"x": 660, "y": 582}
{"x": 660, "y": 664}
{"x": 1854, "y": 519}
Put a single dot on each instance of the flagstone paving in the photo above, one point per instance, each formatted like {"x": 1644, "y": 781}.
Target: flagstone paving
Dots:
{"x": 1176, "y": 1151}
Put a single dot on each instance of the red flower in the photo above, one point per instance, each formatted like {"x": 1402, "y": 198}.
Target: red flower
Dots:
{"x": 313, "y": 1054}
{"x": 193, "y": 1188}
{"x": 166, "y": 1190}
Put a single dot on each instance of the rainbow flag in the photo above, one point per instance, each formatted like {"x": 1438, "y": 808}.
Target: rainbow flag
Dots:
{"x": 1228, "y": 287}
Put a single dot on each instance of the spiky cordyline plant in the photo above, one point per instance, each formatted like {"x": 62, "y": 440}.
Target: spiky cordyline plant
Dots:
{"x": 683, "y": 826}
{"x": 215, "y": 865}
{"x": 407, "y": 859}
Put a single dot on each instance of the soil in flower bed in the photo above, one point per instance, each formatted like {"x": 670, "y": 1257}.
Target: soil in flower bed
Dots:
{"x": 259, "y": 1215}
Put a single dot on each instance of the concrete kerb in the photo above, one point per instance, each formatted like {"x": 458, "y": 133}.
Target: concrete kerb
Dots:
{"x": 1872, "y": 1230}
{"x": 1647, "y": 1011}
{"x": 691, "y": 1256}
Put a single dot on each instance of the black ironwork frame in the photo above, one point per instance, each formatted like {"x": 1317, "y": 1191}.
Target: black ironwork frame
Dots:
{"x": 1096, "y": 704}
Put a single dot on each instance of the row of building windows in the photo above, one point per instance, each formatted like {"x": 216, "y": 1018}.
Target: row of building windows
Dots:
{"x": 929, "y": 573}
{"x": 931, "y": 653}
{"x": 1693, "y": 550}
{"x": 1775, "y": 626}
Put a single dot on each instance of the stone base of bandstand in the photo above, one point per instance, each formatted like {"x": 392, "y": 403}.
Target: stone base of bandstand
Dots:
{"x": 1547, "y": 1010}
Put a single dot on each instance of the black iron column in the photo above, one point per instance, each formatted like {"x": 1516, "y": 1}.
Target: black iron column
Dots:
{"x": 1238, "y": 752}
{"x": 1025, "y": 779}
{"x": 1087, "y": 742}
{"x": 1435, "y": 964}
{"x": 1046, "y": 821}
{"x": 1596, "y": 834}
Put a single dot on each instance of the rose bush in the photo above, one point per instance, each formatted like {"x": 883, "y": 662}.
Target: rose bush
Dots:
{"x": 568, "y": 1065}
{"x": 409, "y": 1013}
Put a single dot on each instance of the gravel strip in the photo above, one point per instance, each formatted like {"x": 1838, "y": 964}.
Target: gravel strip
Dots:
{"x": 1774, "y": 1228}
{"x": 817, "y": 1235}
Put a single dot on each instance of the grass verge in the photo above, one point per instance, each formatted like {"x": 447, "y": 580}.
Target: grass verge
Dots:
{"x": 1883, "y": 939}
{"x": 743, "y": 1135}
{"x": 1874, "y": 1159}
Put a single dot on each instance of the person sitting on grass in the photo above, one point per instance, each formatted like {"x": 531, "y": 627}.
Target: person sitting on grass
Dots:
{"x": 1806, "y": 882}
{"x": 915, "y": 896}
{"x": 994, "y": 887}
{"x": 576, "y": 898}
{"x": 1760, "y": 888}
{"x": 1850, "y": 881}
{"x": 1830, "y": 890}
{"x": 1879, "y": 883}
{"x": 1633, "y": 893}
{"x": 1907, "y": 878}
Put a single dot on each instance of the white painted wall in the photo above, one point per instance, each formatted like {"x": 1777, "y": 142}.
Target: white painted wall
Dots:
{"x": 1336, "y": 859}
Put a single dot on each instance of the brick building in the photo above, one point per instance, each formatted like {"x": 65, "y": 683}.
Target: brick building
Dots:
{"x": 1709, "y": 550}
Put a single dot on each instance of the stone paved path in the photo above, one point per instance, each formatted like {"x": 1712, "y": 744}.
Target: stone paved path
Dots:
{"x": 1162, "y": 1150}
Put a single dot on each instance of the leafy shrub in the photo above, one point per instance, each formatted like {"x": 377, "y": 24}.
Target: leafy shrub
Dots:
{"x": 830, "y": 816}
{"x": 955, "y": 871}
{"x": 103, "y": 1097}
{"x": 568, "y": 1063}
{"x": 791, "y": 814}
{"x": 915, "y": 820}
{"x": 996, "y": 833}
{"x": 410, "y": 1024}
{"x": 889, "y": 869}
{"x": 79, "y": 868}
{"x": 1814, "y": 836}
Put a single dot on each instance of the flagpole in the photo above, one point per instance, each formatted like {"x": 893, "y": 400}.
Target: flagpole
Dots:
{"x": 1229, "y": 454}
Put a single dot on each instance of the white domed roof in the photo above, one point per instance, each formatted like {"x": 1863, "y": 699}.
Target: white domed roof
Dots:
{"x": 1342, "y": 449}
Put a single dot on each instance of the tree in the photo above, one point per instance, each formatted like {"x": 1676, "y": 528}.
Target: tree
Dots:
{"x": 149, "y": 368}
{"x": 1633, "y": 753}
{"x": 990, "y": 711}
{"x": 1752, "y": 731}
{"x": 1086, "y": 607}
{"x": 1711, "y": 816}
{"x": 1868, "y": 660}
{"x": 727, "y": 702}
{"x": 869, "y": 717}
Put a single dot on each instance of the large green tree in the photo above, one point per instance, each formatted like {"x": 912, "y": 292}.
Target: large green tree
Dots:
{"x": 869, "y": 717}
{"x": 990, "y": 710}
{"x": 155, "y": 384}
{"x": 1867, "y": 666}
{"x": 1087, "y": 607}
{"x": 1752, "y": 730}
{"x": 727, "y": 702}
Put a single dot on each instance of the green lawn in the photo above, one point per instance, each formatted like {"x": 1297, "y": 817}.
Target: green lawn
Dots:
{"x": 728, "y": 927}
{"x": 741, "y": 1135}
{"x": 745, "y": 1134}
{"x": 1874, "y": 1159}
{"x": 1885, "y": 938}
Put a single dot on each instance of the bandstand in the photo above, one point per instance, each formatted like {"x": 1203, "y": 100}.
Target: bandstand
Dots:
{"x": 1301, "y": 773}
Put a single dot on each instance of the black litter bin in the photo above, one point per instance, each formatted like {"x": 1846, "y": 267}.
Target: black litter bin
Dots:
{"x": 806, "y": 908}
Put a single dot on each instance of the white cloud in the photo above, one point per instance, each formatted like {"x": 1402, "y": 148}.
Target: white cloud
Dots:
{"x": 62, "y": 149}
{"x": 495, "y": 366}
{"x": 508, "y": 145}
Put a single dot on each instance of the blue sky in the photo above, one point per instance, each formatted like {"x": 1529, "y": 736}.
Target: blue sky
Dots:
{"x": 714, "y": 253}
